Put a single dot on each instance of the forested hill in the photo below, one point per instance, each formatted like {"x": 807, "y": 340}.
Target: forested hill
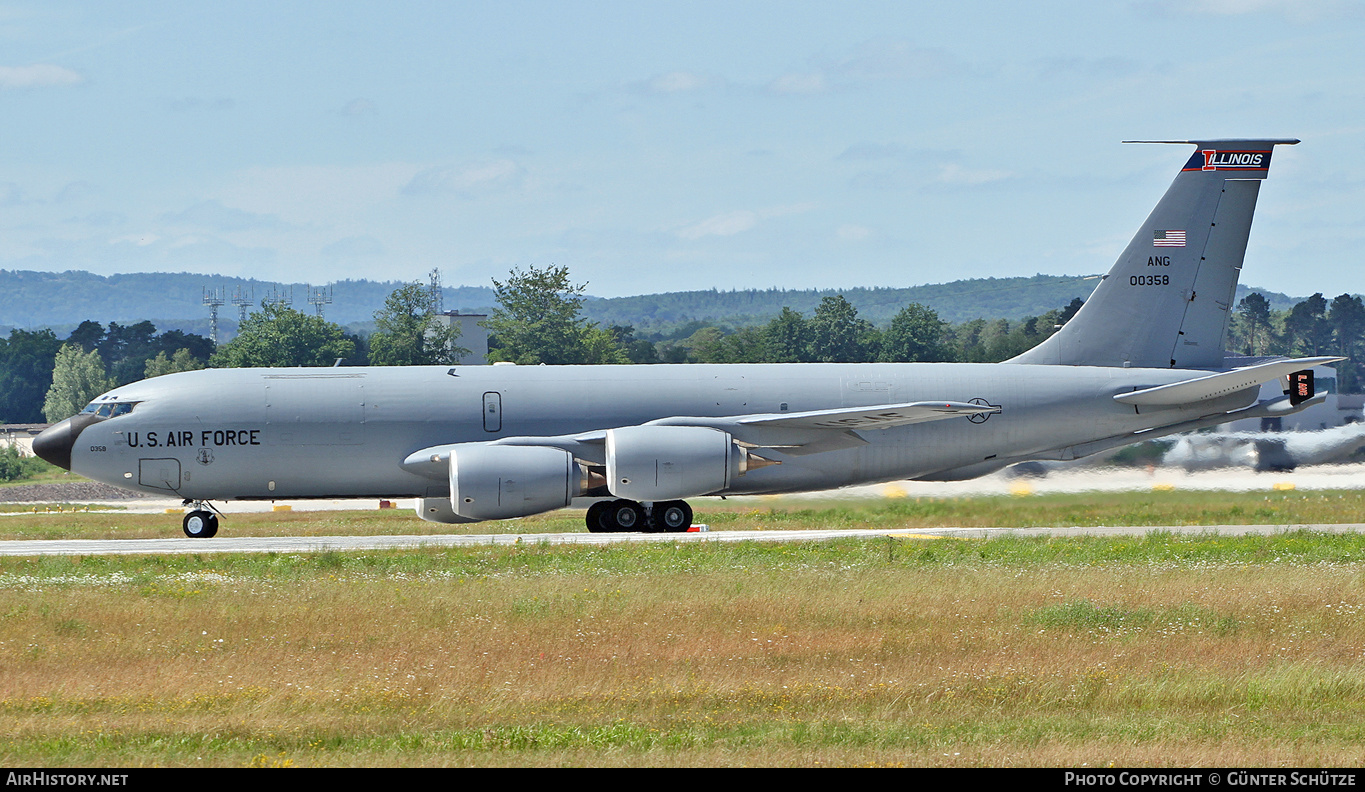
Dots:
{"x": 64, "y": 299}
{"x": 52, "y": 299}
{"x": 958, "y": 301}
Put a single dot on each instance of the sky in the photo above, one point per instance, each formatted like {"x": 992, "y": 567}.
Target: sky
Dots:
{"x": 665, "y": 146}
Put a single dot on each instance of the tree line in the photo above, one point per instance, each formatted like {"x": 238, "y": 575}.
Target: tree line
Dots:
{"x": 539, "y": 319}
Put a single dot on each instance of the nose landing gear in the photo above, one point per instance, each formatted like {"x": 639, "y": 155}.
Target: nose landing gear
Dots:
{"x": 200, "y": 523}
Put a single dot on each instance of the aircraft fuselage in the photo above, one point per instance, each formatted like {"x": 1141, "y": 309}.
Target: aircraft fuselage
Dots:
{"x": 227, "y": 434}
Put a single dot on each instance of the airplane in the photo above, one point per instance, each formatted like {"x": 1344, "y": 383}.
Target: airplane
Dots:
{"x": 1266, "y": 451}
{"x": 1143, "y": 358}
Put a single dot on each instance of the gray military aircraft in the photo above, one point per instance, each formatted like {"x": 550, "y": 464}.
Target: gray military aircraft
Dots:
{"x": 1143, "y": 358}
{"x": 1266, "y": 451}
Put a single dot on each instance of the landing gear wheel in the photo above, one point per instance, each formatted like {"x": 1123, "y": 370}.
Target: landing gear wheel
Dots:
{"x": 625, "y": 515}
{"x": 597, "y": 517}
{"x": 201, "y": 525}
{"x": 672, "y": 516}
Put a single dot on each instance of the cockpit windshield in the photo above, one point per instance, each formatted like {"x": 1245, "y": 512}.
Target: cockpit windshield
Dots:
{"x": 109, "y": 409}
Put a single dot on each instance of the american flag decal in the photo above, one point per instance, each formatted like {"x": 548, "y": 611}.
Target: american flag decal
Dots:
{"x": 1168, "y": 239}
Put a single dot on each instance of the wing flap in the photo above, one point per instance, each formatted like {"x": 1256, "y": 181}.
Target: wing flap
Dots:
{"x": 882, "y": 416}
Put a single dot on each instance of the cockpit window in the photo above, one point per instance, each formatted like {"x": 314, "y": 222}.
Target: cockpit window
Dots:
{"x": 108, "y": 409}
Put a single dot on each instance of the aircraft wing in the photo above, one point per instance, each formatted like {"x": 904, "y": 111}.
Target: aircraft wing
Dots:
{"x": 816, "y": 431}
{"x": 1214, "y": 385}
{"x": 797, "y": 433}
{"x": 880, "y": 417}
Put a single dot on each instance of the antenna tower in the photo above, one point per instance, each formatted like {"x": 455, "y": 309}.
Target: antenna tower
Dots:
{"x": 319, "y": 297}
{"x": 434, "y": 293}
{"x": 278, "y": 297}
{"x": 243, "y": 299}
{"x": 213, "y": 298}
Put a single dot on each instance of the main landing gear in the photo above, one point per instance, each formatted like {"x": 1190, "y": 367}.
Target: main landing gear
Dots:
{"x": 626, "y": 515}
{"x": 199, "y": 522}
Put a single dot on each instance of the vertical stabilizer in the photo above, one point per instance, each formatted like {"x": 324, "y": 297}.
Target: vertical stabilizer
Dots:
{"x": 1165, "y": 303}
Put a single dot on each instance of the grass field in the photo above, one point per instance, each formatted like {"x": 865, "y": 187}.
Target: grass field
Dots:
{"x": 1134, "y": 651}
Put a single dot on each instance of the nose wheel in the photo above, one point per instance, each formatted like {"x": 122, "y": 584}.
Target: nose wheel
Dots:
{"x": 200, "y": 524}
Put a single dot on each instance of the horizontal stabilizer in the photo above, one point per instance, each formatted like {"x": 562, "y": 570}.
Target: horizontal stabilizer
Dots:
{"x": 1215, "y": 385}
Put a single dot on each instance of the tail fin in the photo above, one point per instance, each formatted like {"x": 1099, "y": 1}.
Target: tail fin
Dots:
{"x": 1165, "y": 302}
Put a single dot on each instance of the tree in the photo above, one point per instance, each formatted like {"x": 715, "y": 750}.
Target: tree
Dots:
{"x": 1254, "y": 311}
{"x": 126, "y": 351}
{"x": 278, "y": 335}
{"x": 1306, "y": 328}
{"x": 409, "y": 333}
{"x": 638, "y": 350}
{"x": 182, "y": 360}
{"x": 838, "y": 335}
{"x": 1347, "y": 317}
{"x": 26, "y": 360}
{"x": 788, "y": 337}
{"x": 77, "y": 377}
{"x": 916, "y": 335}
{"x": 538, "y": 321}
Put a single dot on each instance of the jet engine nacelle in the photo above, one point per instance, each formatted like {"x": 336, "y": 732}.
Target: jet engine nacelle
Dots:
{"x": 489, "y": 482}
{"x": 438, "y": 510}
{"x": 655, "y": 463}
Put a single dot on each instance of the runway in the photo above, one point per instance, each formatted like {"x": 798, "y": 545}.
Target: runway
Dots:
{"x": 327, "y": 544}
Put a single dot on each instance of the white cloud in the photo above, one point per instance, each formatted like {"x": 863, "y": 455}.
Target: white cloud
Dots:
{"x": 359, "y": 106}
{"x": 853, "y": 233}
{"x": 1299, "y": 11}
{"x": 37, "y": 75}
{"x": 799, "y": 83}
{"x": 216, "y": 216}
{"x": 466, "y": 180}
{"x": 674, "y": 82}
{"x": 882, "y": 59}
{"x": 727, "y": 224}
{"x": 140, "y": 240}
{"x": 731, "y": 223}
{"x": 956, "y": 174}
{"x": 317, "y": 194}
{"x": 354, "y": 247}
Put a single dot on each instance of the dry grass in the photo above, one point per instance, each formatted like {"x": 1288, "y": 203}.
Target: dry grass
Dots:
{"x": 1167, "y": 651}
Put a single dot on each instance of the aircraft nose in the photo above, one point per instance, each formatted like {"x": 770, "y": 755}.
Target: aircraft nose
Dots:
{"x": 54, "y": 443}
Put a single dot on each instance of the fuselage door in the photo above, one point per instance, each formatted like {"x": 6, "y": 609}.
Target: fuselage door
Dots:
{"x": 159, "y": 473}
{"x": 492, "y": 412}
